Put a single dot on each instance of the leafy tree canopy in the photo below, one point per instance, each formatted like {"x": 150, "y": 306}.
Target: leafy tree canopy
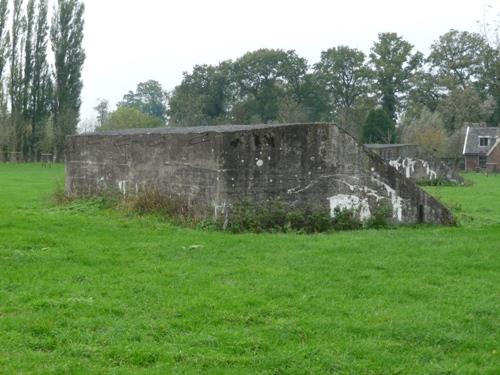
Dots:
{"x": 203, "y": 97}
{"x": 394, "y": 64}
{"x": 265, "y": 75}
{"x": 379, "y": 128}
{"x": 129, "y": 118}
{"x": 426, "y": 130}
{"x": 458, "y": 58}
{"x": 343, "y": 72}
{"x": 149, "y": 98}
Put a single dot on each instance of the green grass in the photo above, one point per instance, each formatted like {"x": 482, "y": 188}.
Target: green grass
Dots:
{"x": 89, "y": 290}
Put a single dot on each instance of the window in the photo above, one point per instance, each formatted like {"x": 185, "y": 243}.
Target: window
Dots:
{"x": 484, "y": 141}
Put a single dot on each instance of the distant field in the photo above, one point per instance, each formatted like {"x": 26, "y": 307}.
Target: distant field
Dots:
{"x": 86, "y": 290}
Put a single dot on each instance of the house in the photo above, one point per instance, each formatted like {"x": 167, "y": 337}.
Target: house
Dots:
{"x": 493, "y": 158}
{"x": 479, "y": 141}
{"x": 211, "y": 168}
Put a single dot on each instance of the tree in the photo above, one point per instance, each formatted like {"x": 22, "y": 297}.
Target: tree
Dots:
{"x": 37, "y": 81}
{"x": 379, "y": 128}
{"x": 4, "y": 37}
{"x": 16, "y": 77}
{"x": 426, "y": 130}
{"x": 102, "y": 109}
{"x": 358, "y": 114}
{"x": 424, "y": 92}
{"x": 313, "y": 98}
{"x": 343, "y": 73}
{"x": 6, "y": 131}
{"x": 463, "y": 105}
{"x": 290, "y": 111}
{"x": 258, "y": 87}
{"x": 88, "y": 125}
{"x": 203, "y": 97}
{"x": 262, "y": 77}
{"x": 149, "y": 98}
{"x": 458, "y": 57}
{"x": 493, "y": 76}
{"x": 69, "y": 57}
{"x": 129, "y": 118}
{"x": 29, "y": 29}
{"x": 186, "y": 108}
{"x": 393, "y": 64}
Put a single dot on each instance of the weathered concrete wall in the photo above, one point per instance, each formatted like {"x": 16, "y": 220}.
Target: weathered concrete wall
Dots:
{"x": 313, "y": 165}
{"x": 408, "y": 160}
{"x": 394, "y": 151}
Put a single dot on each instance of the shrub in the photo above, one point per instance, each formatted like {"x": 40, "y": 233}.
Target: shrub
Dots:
{"x": 381, "y": 217}
{"x": 346, "y": 220}
{"x": 271, "y": 215}
{"x": 243, "y": 218}
{"x": 275, "y": 216}
{"x": 106, "y": 199}
{"x": 59, "y": 196}
{"x": 319, "y": 221}
{"x": 310, "y": 221}
{"x": 154, "y": 201}
{"x": 440, "y": 181}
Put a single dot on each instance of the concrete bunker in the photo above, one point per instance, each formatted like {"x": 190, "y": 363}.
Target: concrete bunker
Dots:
{"x": 305, "y": 165}
{"x": 415, "y": 164}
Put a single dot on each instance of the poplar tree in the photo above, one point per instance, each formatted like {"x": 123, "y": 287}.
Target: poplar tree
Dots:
{"x": 16, "y": 75}
{"x": 5, "y": 125}
{"x": 38, "y": 85}
{"x": 4, "y": 37}
{"x": 69, "y": 56}
{"x": 28, "y": 56}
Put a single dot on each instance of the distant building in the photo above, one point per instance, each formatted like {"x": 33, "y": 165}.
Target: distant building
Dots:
{"x": 493, "y": 158}
{"x": 479, "y": 148}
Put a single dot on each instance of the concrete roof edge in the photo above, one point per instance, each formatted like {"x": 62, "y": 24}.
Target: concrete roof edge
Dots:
{"x": 200, "y": 129}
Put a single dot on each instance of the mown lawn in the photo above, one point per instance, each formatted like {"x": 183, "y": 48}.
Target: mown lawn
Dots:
{"x": 86, "y": 290}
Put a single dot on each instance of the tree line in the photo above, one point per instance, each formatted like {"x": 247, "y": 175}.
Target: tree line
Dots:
{"x": 428, "y": 97}
{"x": 39, "y": 101}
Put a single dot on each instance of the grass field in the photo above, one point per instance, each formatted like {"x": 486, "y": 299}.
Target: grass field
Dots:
{"x": 88, "y": 290}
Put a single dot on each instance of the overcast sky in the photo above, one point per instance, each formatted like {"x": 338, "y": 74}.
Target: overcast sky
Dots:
{"x": 131, "y": 41}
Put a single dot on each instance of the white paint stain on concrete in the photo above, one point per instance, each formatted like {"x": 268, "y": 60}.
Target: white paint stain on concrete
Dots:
{"x": 396, "y": 201}
{"x": 408, "y": 166}
{"x": 220, "y": 209}
{"x": 350, "y": 202}
{"x": 122, "y": 185}
{"x": 373, "y": 193}
{"x": 430, "y": 173}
